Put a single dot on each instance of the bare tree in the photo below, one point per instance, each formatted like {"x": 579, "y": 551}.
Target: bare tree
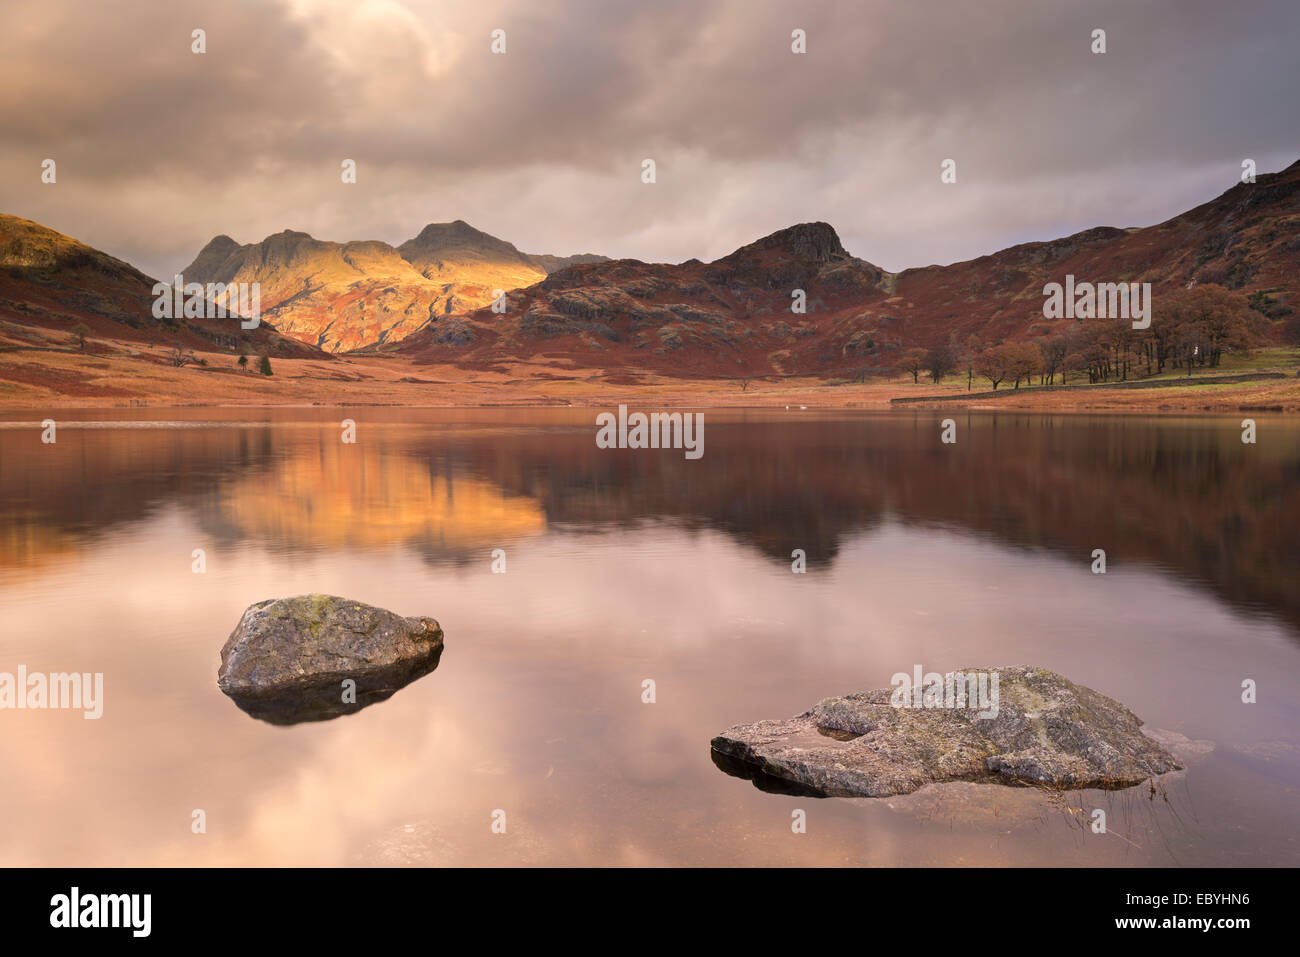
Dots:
{"x": 180, "y": 357}
{"x": 994, "y": 364}
{"x": 913, "y": 361}
{"x": 1026, "y": 361}
{"x": 969, "y": 354}
{"x": 941, "y": 361}
{"x": 1053, "y": 351}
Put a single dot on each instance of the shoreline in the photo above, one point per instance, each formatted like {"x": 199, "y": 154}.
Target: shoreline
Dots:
{"x": 118, "y": 375}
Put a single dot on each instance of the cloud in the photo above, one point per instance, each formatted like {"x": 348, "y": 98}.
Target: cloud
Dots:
{"x": 159, "y": 148}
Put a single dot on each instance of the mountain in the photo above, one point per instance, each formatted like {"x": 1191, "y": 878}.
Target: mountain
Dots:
{"x": 335, "y": 296}
{"x": 549, "y": 264}
{"x": 734, "y": 316}
{"x": 50, "y": 283}
{"x": 427, "y": 298}
{"x": 1247, "y": 239}
{"x": 459, "y": 253}
{"x": 342, "y": 296}
{"x": 463, "y": 254}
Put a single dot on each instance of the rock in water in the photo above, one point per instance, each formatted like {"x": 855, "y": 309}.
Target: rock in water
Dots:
{"x": 1048, "y": 731}
{"x": 287, "y": 659}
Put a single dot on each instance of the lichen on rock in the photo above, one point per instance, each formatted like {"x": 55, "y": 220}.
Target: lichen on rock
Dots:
{"x": 288, "y": 658}
{"x": 1047, "y": 731}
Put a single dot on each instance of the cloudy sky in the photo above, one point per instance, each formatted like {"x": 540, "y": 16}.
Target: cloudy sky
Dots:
{"x": 158, "y": 148}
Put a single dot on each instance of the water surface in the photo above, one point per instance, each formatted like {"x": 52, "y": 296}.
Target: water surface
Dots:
{"x": 623, "y": 566}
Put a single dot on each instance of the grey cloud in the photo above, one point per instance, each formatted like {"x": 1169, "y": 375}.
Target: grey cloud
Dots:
{"x": 159, "y": 149}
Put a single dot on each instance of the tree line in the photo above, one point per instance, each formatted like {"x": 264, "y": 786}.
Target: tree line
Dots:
{"x": 1190, "y": 329}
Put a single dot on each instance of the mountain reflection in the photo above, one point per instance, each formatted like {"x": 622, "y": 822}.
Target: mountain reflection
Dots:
{"x": 1184, "y": 494}
{"x": 333, "y": 495}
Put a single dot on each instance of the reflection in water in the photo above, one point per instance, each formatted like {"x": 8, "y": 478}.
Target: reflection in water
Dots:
{"x": 332, "y": 495}
{"x": 1184, "y": 494}
{"x": 323, "y": 700}
{"x": 627, "y": 565}
{"x": 760, "y": 778}
{"x": 315, "y": 657}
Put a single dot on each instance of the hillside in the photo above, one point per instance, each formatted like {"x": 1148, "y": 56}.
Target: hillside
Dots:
{"x": 51, "y": 283}
{"x": 692, "y": 317}
{"x": 425, "y": 301}
{"x": 1247, "y": 239}
{"x": 734, "y": 317}
{"x": 343, "y": 296}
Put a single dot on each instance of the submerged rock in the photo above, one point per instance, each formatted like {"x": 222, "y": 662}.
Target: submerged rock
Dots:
{"x": 288, "y": 658}
{"x": 1047, "y": 731}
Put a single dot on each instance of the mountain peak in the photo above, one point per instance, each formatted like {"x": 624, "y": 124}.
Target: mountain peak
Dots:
{"x": 457, "y": 231}
{"x": 211, "y": 264}
{"x": 221, "y": 245}
{"x": 458, "y": 241}
{"x": 816, "y": 241}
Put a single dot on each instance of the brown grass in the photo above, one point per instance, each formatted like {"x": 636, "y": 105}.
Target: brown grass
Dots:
{"x": 53, "y": 373}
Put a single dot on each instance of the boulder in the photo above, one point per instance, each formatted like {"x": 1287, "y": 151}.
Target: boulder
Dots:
{"x": 287, "y": 659}
{"x": 1046, "y": 731}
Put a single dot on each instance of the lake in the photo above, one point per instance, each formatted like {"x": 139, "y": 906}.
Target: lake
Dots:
{"x": 622, "y": 566}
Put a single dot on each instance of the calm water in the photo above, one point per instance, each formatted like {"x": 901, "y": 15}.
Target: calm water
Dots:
{"x": 623, "y": 566}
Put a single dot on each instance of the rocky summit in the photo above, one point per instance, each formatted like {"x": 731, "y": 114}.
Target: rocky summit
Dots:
{"x": 343, "y": 296}
{"x": 1045, "y": 731}
{"x": 288, "y": 658}
{"x": 797, "y": 303}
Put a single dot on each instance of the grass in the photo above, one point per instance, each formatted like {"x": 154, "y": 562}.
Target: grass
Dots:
{"x": 1272, "y": 359}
